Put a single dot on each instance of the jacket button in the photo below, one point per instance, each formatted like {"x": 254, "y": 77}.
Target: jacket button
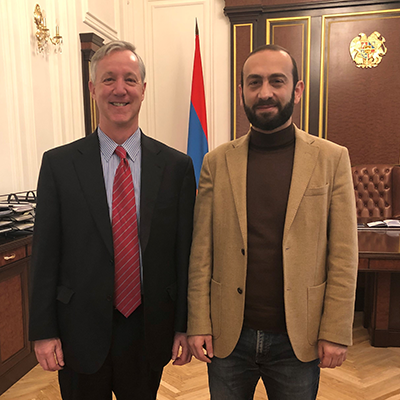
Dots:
{"x": 109, "y": 298}
{"x": 242, "y": 251}
{"x": 239, "y": 290}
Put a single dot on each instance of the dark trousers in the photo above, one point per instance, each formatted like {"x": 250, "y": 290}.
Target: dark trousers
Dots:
{"x": 268, "y": 356}
{"x": 126, "y": 371}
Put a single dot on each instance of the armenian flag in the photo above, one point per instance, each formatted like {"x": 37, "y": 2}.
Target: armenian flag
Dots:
{"x": 197, "y": 138}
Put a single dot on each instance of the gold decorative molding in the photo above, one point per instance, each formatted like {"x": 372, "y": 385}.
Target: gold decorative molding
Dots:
{"x": 305, "y": 63}
{"x": 235, "y": 83}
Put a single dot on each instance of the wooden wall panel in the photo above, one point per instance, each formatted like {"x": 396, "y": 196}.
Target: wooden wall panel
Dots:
{"x": 294, "y": 35}
{"x": 355, "y": 107}
{"x": 242, "y": 46}
{"x": 360, "y": 105}
{"x": 269, "y": 3}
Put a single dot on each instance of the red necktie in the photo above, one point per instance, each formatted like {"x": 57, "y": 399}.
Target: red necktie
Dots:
{"x": 126, "y": 242}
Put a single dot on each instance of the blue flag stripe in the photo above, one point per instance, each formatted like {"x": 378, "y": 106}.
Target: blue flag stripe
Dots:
{"x": 197, "y": 142}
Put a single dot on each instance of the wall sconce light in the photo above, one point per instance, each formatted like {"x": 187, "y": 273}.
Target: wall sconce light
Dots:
{"x": 43, "y": 33}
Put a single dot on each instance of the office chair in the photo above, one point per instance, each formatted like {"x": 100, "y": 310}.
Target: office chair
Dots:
{"x": 377, "y": 190}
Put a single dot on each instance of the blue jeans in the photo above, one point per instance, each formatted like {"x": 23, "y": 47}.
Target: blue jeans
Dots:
{"x": 268, "y": 356}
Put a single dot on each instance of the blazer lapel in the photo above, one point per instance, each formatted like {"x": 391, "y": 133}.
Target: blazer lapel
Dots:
{"x": 305, "y": 158}
{"x": 236, "y": 160}
{"x": 89, "y": 170}
{"x": 151, "y": 176}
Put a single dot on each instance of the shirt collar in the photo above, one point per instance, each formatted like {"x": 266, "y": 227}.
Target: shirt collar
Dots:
{"x": 108, "y": 146}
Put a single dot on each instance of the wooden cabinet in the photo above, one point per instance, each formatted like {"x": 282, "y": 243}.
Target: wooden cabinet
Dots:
{"x": 16, "y": 352}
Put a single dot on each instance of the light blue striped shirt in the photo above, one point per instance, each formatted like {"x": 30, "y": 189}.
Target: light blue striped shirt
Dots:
{"x": 110, "y": 162}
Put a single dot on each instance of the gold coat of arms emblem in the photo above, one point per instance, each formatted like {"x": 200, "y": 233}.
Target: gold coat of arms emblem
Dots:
{"x": 367, "y": 52}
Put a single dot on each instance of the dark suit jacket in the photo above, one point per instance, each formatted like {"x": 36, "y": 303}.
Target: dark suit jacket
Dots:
{"x": 72, "y": 269}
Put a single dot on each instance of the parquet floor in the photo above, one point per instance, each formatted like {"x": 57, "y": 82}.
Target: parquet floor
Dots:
{"x": 368, "y": 374}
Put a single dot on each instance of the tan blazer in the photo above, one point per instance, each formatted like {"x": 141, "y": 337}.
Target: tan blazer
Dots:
{"x": 320, "y": 253}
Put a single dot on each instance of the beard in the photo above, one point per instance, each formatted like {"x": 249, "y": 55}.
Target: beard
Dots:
{"x": 266, "y": 121}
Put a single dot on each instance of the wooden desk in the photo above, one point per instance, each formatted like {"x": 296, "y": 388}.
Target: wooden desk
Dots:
{"x": 379, "y": 256}
{"x": 16, "y": 353}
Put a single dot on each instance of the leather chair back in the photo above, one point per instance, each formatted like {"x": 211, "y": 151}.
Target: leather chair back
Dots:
{"x": 377, "y": 190}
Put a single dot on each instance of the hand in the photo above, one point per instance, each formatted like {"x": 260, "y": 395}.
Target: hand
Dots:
{"x": 198, "y": 344}
{"x": 331, "y": 354}
{"x": 49, "y": 354}
{"x": 185, "y": 357}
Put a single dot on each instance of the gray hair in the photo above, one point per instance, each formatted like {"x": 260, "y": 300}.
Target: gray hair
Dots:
{"x": 115, "y": 45}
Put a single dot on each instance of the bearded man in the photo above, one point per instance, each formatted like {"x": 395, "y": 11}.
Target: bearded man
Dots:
{"x": 274, "y": 257}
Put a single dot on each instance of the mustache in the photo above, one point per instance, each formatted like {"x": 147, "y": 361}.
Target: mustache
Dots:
{"x": 269, "y": 102}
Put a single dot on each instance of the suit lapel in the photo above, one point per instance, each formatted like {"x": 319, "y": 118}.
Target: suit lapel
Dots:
{"x": 152, "y": 172}
{"x": 236, "y": 160}
{"x": 89, "y": 170}
{"x": 305, "y": 158}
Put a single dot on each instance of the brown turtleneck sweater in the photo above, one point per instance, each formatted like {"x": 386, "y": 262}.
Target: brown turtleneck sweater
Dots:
{"x": 269, "y": 174}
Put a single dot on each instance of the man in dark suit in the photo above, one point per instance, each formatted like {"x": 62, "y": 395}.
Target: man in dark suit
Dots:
{"x": 75, "y": 320}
